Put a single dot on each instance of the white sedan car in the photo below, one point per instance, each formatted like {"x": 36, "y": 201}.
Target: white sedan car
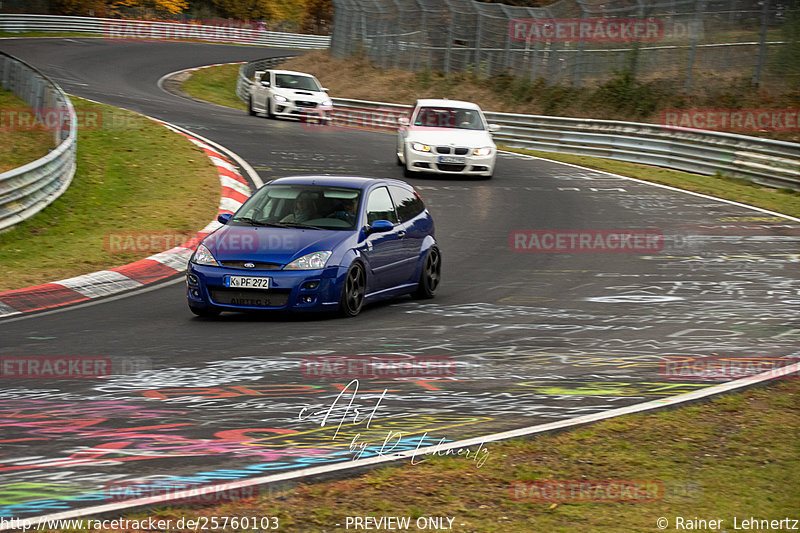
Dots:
{"x": 285, "y": 93}
{"x": 448, "y": 137}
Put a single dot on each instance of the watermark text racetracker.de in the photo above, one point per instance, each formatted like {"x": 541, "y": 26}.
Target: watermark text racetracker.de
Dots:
{"x": 379, "y": 119}
{"x": 224, "y": 31}
{"x": 54, "y": 367}
{"x": 728, "y": 368}
{"x": 57, "y": 118}
{"x": 587, "y": 490}
{"x": 178, "y": 493}
{"x": 601, "y": 30}
{"x": 69, "y": 366}
{"x": 732, "y": 120}
{"x": 376, "y": 366}
{"x": 549, "y": 241}
{"x": 150, "y": 523}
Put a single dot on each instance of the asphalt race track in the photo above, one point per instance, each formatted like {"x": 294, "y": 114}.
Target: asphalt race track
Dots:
{"x": 533, "y": 337}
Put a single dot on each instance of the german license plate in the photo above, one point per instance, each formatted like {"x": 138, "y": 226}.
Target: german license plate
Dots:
{"x": 246, "y": 282}
{"x": 452, "y": 159}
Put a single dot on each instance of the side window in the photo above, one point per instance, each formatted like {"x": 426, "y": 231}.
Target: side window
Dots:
{"x": 380, "y": 207}
{"x": 408, "y": 204}
{"x": 418, "y": 117}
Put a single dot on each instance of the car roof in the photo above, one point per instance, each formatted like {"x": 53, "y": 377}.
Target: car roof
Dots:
{"x": 355, "y": 182}
{"x": 291, "y": 72}
{"x": 444, "y": 102}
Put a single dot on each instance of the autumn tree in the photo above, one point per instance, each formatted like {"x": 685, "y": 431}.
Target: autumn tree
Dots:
{"x": 169, "y": 7}
{"x": 289, "y": 10}
{"x": 318, "y": 16}
{"x": 80, "y": 7}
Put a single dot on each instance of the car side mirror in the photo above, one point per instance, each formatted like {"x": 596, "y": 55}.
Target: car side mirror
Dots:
{"x": 403, "y": 121}
{"x": 224, "y": 218}
{"x": 380, "y": 226}
{"x": 324, "y": 89}
{"x": 494, "y": 127}
{"x": 264, "y": 83}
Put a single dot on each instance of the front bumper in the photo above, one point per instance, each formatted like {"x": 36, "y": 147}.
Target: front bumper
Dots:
{"x": 289, "y": 290}
{"x": 432, "y": 162}
{"x": 294, "y": 109}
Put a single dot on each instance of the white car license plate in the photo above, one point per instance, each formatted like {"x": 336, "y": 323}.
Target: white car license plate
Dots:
{"x": 452, "y": 159}
{"x": 246, "y": 282}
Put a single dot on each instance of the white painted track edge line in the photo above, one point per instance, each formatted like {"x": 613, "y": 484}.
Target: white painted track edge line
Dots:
{"x": 645, "y": 182}
{"x": 521, "y": 432}
{"x": 95, "y": 301}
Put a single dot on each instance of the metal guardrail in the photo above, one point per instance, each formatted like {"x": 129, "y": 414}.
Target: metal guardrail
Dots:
{"x": 763, "y": 161}
{"x": 122, "y": 29}
{"x": 26, "y": 190}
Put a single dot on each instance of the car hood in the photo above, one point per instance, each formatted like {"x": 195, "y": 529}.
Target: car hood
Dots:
{"x": 271, "y": 245}
{"x": 301, "y": 94}
{"x": 447, "y": 136}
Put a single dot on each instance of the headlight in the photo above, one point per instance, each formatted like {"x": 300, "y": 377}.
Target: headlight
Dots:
{"x": 202, "y": 256}
{"x": 419, "y": 147}
{"x": 482, "y": 151}
{"x": 309, "y": 262}
{"x": 279, "y": 98}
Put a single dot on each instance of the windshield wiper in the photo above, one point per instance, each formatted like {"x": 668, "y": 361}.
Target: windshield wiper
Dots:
{"x": 299, "y": 225}
{"x": 247, "y": 220}
{"x": 251, "y": 221}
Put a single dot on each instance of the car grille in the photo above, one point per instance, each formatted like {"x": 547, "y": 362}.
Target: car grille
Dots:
{"x": 449, "y": 167}
{"x": 447, "y": 150}
{"x": 258, "y": 265}
{"x": 302, "y": 103}
{"x": 251, "y": 298}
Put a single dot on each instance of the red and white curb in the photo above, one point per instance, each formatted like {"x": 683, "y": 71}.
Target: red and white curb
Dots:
{"x": 235, "y": 190}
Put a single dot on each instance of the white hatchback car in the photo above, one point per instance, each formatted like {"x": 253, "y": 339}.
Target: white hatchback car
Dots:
{"x": 285, "y": 93}
{"x": 448, "y": 137}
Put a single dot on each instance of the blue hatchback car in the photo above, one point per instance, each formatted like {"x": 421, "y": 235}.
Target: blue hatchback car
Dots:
{"x": 317, "y": 243}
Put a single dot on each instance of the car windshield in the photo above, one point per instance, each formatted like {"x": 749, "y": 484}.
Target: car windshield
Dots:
{"x": 301, "y": 206}
{"x": 449, "y": 117}
{"x": 296, "y": 81}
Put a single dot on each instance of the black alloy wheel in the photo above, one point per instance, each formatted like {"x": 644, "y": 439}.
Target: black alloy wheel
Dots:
{"x": 355, "y": 286}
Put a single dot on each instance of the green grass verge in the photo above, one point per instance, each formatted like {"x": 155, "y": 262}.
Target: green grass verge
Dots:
{"x": 734, "y": 456}
{"x": 133, "y": 176}
{"x": 19, "y": 144}
{"x": 216, "y": 85}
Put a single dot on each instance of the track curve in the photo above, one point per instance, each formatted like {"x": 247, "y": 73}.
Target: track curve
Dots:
{"x": 535, "y": 337}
